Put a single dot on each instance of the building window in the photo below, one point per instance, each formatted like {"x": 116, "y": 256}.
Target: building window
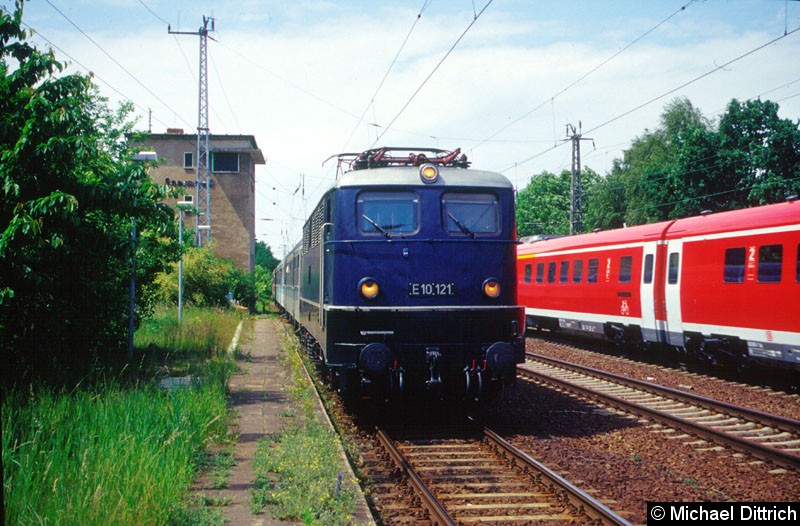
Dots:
{"x": 225, "y": 162}
{"x": 625, "y": 265}
{"x": 769, "y": 263}
{"x": 734, "y": 265}
{"x": 188, "y": 160}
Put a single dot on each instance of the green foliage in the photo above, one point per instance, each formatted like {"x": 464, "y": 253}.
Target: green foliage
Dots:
{"x": 120, "y": 452}
{"x": 71, "y": 198}
{"x": 203, "y": 333}
{"x": 207, "y": 280}
{"x": 307, "y": 462}
{"x": 543, "y": 206}
{"x": 263, "y": 286}
{"x": 264, "y": 257}
{"x": 299, "y": 471}
{"x": 759, "y": 151}
{"x": 114, "y": 456}
{"x": 688, "y": 165}
{"x": 265, "y": 264}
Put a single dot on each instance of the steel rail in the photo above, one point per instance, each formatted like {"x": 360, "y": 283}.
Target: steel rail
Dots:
{"x": 779, "y": 457}
{"x": 438, "y": 515}
{"x": 767, "y": 419}
{"x": 593, "y": 508}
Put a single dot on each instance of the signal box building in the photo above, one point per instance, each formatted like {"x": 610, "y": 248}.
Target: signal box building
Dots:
{"x": 232, "y": 163}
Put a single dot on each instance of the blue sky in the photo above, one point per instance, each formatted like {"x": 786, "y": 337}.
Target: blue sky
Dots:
{"x": 298, "y": 75}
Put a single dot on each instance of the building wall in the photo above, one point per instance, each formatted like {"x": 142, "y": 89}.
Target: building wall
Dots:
{"x": 232, "y": 195}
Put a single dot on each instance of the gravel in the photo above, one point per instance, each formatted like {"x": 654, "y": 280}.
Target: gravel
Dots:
{"x": 628, "y": 461}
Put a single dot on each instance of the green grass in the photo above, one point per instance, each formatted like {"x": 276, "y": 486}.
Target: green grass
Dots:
{"x": 298, "y": 472}
{"x": 121, "y": 451}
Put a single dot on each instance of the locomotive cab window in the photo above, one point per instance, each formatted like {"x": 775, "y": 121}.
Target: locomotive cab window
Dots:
{"x": 470, "y": 214}
{"x": 769, "y": 263}
{"x": 386, "y": 213}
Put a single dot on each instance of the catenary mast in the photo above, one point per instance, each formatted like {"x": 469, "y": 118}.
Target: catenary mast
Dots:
{"x": 203, "y": 187}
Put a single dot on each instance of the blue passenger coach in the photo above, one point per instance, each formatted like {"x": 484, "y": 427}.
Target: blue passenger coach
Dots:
{"x": 405, "y": 279}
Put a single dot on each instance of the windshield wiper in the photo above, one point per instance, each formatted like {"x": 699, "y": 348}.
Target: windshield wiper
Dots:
{"x": 378, "y": 227}
{"x": 461, "y": 226}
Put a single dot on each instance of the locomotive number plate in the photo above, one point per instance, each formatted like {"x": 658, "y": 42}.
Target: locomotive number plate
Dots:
{"x": 426, "y": 290}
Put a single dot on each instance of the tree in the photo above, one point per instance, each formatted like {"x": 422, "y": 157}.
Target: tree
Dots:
{"x": 543, "y": 206}
{"x": 264, "y": 257}
{"x": 759, "y": 153}
{"x": 207, "y": 280}
{"x": 70, "y": 195}
{"x": 688, "y": 165}
{"x": 265, "y": 264}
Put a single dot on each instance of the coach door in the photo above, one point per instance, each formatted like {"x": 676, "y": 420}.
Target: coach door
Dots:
{"x": 652, "y": 328}
{"x": 672, "y": 293}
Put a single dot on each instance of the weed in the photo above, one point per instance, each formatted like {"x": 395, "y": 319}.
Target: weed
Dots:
{"x": 122, "y": 450}
{"x": 298, "y": 471}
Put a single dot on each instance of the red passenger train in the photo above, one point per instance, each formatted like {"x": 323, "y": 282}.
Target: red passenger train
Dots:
{"x": 723, "y": 286}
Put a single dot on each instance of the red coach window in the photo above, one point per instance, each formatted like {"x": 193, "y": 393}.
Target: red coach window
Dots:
{"x": 673, "y": 267}
{"x": 539, "y": 272}
{"x": 577, "y": 271}
{"x": 797, "y": 272}
{"x": 625, "y": 265}
{"x": 591, "y": 276}
{"x": 734, "y": 265}
{"x": 648, "y": 269}
{"x": 769, "y": 263}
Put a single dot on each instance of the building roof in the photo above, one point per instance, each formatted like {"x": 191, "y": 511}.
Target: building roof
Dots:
{"x": 219, "y": 143}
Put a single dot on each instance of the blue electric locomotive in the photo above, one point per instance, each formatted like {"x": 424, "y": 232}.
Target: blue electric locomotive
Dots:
{"x": 405, "y": 278}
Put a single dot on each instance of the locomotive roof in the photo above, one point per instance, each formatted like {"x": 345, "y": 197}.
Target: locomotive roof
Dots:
{"x": 409, "y": 176}
{"x": 768, "y": 216}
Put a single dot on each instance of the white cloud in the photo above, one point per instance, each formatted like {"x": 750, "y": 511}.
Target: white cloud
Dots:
{"x": 297, "y": 74}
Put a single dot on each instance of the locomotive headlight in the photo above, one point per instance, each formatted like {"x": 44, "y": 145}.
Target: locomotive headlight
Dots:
{"x": 429, "y": 173}
{"x": 491, "y": 287}
{"x": 368, "y": 288}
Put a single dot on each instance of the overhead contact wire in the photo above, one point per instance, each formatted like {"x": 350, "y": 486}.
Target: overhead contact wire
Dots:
{"x": 606, "y": 61}
{"x": 386, "y": 75}
{"x": 408, "y": 102}
{"x": 115, "y": 61}
{"x": 640, "y": 106}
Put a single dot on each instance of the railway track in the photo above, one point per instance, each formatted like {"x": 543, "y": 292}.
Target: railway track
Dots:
{"x": 478, "y": 477}
{"x": 762, "y": 435}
